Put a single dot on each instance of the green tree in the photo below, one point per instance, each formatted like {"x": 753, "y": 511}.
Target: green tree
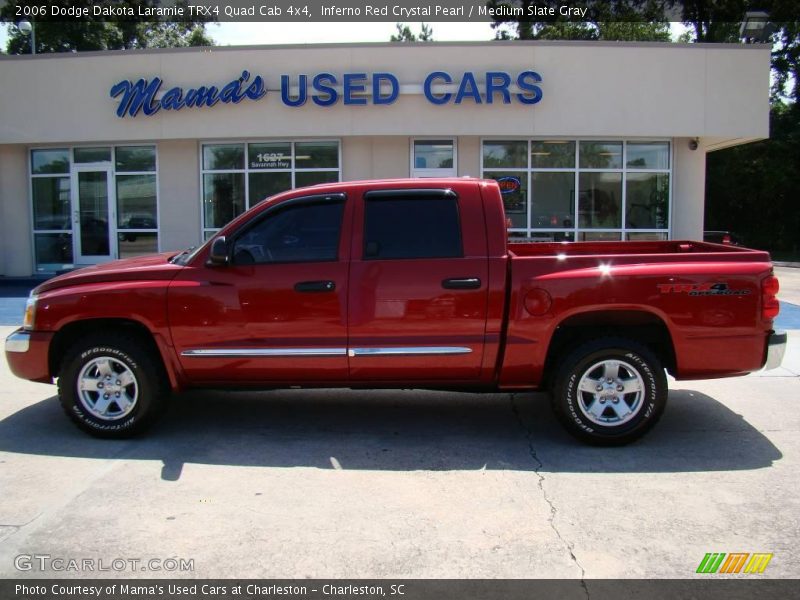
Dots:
{"x": 404, "y": 34}
{"x": 751, "y": 190}
{"x": 624, "y": 20}
{"x": 53, "y": 35}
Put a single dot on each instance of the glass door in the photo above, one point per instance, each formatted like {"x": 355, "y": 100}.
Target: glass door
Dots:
{"x": 93, "y": 214}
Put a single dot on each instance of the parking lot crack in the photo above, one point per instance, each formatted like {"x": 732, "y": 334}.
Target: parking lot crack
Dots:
{"x": 540, "y": 484}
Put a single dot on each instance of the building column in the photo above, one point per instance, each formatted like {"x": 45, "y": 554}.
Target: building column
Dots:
{"x": 179, "y": 195}
{"x": 16, "y": 244}
{"x": 688, "y": 190}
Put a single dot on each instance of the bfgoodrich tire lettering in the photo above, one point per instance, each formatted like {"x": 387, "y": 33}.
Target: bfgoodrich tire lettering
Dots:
{"x": 610, "y": 391}
{"x": 110, "y": 387}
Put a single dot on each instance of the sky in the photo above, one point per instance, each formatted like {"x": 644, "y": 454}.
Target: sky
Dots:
{"x": 236, "y": 34}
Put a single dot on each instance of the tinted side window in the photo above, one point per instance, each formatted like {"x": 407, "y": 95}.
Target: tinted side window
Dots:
{"x": 411, "y": 227}
{"x": 307, "y": 232}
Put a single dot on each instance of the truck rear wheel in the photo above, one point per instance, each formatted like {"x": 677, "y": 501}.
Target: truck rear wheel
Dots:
{"x": 110, "y": 386}
{"x": 610, "y": 391}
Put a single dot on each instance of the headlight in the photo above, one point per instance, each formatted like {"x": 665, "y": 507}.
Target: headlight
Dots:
{"x": 30, "y": 312}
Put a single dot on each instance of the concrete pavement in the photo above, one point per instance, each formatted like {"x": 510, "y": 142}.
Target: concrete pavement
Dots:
{"x": 406, "y": 484}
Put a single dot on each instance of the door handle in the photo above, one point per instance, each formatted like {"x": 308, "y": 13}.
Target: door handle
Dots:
{"x": 461, "y": 283}
{"x": 315, "y": 286}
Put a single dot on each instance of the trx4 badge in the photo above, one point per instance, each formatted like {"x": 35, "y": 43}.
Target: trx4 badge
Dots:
{"x": 700, "y": 289}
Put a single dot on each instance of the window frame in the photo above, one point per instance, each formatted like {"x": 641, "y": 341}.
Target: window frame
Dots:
{"x": 576, "y": 231}
{"x": 113, "y": 183}
{"x": 208, "y": 232}
{"x": 432, "y": 173}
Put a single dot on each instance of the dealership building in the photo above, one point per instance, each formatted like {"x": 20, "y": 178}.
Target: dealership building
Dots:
{"x": 106, "y": 155}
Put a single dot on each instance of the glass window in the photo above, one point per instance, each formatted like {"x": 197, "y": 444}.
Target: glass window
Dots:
{"x": 91, "y": 155}
{"x": 505, "y": 154}
{"x": 619, "y": 185}
{"x": 135, "y": 158}
{"x": 264, "y": 185}
{"x": 223, "y": 197}
{"x": 135, "y": 243}
{"x": 271, "y": 167}
{"x": 136, "y": 202}
{"x": 601, "y": 155}
{"x": 51, "y": 203}
{"x": 553, "y": 200}
{"x": 433, "y": 154}
{"x": 648, "y": 155}
{"x": 305, "y": 178}
{"x": 316, "y": 155}
{"x": 53, "y": 251}
{"x": 647, "y": 202}
{"x": 553, "y": 154}
{"x": 307, "y": 232}
{"x": 268, "y": 156}
{"x": 598, "y": 236}
{"x": 50, "y": 161}
{"x": 223, "y": 157}
{"x": 647, "y": 236}
{"x": 411, "y": 227}
{"x": 600, "y": 202}
{"x": 514, "y": 190}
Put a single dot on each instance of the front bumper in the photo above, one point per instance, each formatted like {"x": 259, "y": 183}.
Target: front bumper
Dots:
{"x": 776, "y": 347}
{"x": 26, "y": 353}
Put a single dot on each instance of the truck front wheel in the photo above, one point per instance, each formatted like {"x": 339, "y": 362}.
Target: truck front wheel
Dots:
{"x": 610, "y": 391}
{"x": 110, "y": 386}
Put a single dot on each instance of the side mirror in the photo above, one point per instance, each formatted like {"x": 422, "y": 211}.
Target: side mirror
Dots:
{"x": 218, "y": 256}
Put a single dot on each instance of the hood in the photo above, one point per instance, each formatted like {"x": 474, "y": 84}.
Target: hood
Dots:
{"x": 149, "y": 267}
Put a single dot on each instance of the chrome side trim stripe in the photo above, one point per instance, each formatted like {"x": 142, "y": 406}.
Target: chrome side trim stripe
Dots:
{"x": 264, "y": 352}
{"x": 299, "y": 352}
{"x": 409, "y": 351}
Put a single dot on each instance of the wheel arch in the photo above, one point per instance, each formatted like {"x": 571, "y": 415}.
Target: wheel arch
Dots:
{"x": 642, "y": 326}
{"x": 70, "y": 333}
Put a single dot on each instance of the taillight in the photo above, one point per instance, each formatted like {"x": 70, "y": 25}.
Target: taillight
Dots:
{"x": 726, "y": 239}
{"x": 770, "y": 307}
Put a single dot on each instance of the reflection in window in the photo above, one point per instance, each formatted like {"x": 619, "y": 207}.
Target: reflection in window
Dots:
{"x": 553, "y": 200}
{"x": 601, "y": 155}
{"x": 92, "y": 155}
{"x": 53, "y": 251}
{"x": 600, "y": 202}
{"x": 223, "y": 197}
{"x": 433, "y": 154}
{"x": 132, "y": 159}
{"x": 136, "y": 202}
{"x": 553, "y": 154}
{"x": 647, "y": 200}
{"x": 50, "y": 161}
{"x": 505, "y": 154}
{"x": 137, "y": 243}
{"x": 51, "y": 203}
{"x": 648, "y": 155}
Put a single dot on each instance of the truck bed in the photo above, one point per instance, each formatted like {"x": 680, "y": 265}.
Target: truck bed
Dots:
{"x": 561, "y": 250}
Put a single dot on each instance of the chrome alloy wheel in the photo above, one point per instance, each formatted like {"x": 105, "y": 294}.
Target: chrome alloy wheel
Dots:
{"x": 107, "y": 388}
{"x": 610, "y": 393}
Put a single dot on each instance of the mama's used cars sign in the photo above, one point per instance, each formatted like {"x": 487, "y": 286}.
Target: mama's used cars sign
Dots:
{"x": 326, "y": 89}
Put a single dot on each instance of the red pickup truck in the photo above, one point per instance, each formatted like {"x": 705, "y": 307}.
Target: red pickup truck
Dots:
{"x": 401, "y": 283}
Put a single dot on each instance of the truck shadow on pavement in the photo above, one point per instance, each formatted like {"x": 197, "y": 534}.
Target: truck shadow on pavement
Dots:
{"x": 391, "y": 430}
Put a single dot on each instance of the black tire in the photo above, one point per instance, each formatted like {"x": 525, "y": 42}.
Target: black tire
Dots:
{"x": 600, "y": 418}
{"x": 149, "y": 387}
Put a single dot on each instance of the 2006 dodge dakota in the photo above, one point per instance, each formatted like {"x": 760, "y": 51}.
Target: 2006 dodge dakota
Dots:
{"x": 400, "y": 283}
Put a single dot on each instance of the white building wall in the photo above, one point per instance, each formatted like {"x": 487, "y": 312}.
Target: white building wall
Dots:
{"x": 16, "y": 246}
{"x": 688, "y": 190}
{"x": 179, "y": 194}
